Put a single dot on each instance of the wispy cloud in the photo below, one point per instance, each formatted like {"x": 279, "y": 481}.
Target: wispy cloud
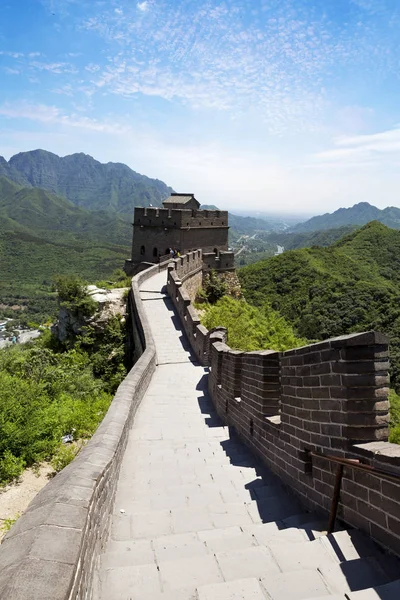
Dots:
{"x": 143, "y": 6}
{"x": 53, "y": 115}
{"x": 363, "y": 149}
{"x": 276, "y": 60}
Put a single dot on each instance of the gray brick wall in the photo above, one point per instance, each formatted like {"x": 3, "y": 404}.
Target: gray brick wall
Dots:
{"x": 330, "y": 397}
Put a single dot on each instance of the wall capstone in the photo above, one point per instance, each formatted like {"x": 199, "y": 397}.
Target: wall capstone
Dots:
{"x": 50, "y": 552}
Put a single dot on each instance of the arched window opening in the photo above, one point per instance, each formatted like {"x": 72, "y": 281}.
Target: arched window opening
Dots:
{"x": 155, "y": 252}
{"x": 142, "y": 250}
{"x": 216, "y": 251}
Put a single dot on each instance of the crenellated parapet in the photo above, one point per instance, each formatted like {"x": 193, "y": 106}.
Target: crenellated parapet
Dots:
{"x": 296, "y": 408}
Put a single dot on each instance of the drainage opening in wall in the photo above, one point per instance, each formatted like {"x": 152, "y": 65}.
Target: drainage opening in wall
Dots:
{"x": 251, "y": 427}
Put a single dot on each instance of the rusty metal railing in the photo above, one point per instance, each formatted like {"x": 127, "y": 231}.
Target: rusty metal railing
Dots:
{"x": 352, "y": 464}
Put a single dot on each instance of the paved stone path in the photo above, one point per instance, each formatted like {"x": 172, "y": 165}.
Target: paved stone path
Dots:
{"x": 196, "y": 516}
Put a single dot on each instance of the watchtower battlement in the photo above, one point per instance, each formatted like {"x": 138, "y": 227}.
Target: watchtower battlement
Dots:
{"x": 182, "y": 218}
{"x": 184, "y": 227}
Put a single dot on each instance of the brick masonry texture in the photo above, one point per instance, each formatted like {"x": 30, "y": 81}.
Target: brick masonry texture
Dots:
{"x": 49, "y": 554}
{"x": 329, "y": 397}
{"x": 156, "y": 230}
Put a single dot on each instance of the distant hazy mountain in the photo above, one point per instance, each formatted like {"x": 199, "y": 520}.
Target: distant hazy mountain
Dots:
{"x": 85, "y": 181}
{"x": 359, "y": 214}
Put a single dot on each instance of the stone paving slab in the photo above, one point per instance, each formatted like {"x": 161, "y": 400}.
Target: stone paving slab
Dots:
{"x": 196, "y": 516}
{"x": 241, "y": 589}
{"x": 256, "y": 561}
{"x": 189, "y": 573}
{"x": 289, "y": 586}
{"x": 354, "y": 575}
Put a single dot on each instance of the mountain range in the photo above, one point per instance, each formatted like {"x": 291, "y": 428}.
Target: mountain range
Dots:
{"x": 359, "y": 214}
{"x": 84, "y": 181}
{"x": 353, "y": 285}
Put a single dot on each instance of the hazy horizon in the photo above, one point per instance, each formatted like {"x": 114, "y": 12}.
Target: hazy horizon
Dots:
{"x": 287, "y": 106}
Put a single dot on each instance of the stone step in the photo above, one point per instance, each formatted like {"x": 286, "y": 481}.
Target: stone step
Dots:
{"x": 295, "y": 586}
{"x": 239, "y": 589}
{"x": 389, "y": 591}
{"x": 354, "y": 575}
{"x": 311, "y": 524}
{"x": 297, "y": 557}
{"x": 351, "y": 544}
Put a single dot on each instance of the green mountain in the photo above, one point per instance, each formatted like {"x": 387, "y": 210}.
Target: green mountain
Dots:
{"x": 359, "y": 214}
{"x": 42, "y": 235}
{"x": 293, "y": 241}
{"x": 351, "y": 286}
{"x": 85, "y": 181}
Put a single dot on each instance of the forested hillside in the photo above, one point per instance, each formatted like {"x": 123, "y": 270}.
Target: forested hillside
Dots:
{"x": 293, "y": 241}
{"x": 42, "y": 235}
{"x": 357, "y": 215}
{"x": 351, "y": 286}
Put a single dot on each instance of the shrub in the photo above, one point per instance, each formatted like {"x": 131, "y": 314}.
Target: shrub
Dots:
{"x": 11, "y": 467}
{"x": 213, "y": 286}
{"x": 73, "y": 296}
{"x": 251, "y": 328}
{"x": 63, "y": 456}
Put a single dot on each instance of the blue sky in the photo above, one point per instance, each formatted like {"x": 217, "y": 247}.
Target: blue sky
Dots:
{"x": 278, "y": 105}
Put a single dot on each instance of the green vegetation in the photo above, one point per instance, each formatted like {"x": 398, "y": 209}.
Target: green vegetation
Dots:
{"x": 63, "y": 456}
{"x": 73, "y": 297}
{"x": 294, "y": 241}
{"x": 325, "y": 292}
{"x": 249, "y": 327}
{"x": 43, "y": 236}
{"x": 394, "y": 417}
{"x": 118, "y": 279}
{"x": 48, "y": 390}
{"x": 8, "y": 523}
{"x": 357, "y": 215}
{"x": 213, "y": 288}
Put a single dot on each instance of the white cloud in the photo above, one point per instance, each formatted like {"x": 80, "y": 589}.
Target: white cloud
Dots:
{"x": 368, "y": 149}
{"x": 10, "y": 71}
{"x": 53, "y": 115}
{"x": 143, "y": 6}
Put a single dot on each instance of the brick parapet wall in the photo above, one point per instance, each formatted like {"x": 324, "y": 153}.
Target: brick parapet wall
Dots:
{"x": 182, "y": 272}
{"x": 51, "y": 551}
{"x": 221, "y": 261}
{"x": 174, "y": 217}
{"x": 330, "y": 397}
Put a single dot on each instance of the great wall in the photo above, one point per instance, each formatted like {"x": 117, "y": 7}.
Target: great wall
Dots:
{"x": 213, "y": 474}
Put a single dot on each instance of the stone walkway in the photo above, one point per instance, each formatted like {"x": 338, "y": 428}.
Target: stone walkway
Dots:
{"x": 196, "y": 516}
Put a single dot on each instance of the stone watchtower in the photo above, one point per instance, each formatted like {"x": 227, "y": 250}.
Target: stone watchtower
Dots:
{"x": 180, "y": 225}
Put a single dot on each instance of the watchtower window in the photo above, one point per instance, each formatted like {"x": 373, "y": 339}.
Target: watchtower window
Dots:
{"x": 199, "y": 224}
{"x": 216, "y": 251}
{"x": 155, "y": 252}
{"x": 150, "y": 222}
{"x": 142, "y": 250}
{"x": 212, "y": 223}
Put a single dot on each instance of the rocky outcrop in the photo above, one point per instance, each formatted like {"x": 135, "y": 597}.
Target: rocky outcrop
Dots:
{"x": 70, "y": 323}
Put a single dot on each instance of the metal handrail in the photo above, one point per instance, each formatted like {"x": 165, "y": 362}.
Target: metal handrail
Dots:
{"x": 353, "y": 464}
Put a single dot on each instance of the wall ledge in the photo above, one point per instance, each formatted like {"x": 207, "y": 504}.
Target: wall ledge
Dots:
{"x": 51, "y": 551}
